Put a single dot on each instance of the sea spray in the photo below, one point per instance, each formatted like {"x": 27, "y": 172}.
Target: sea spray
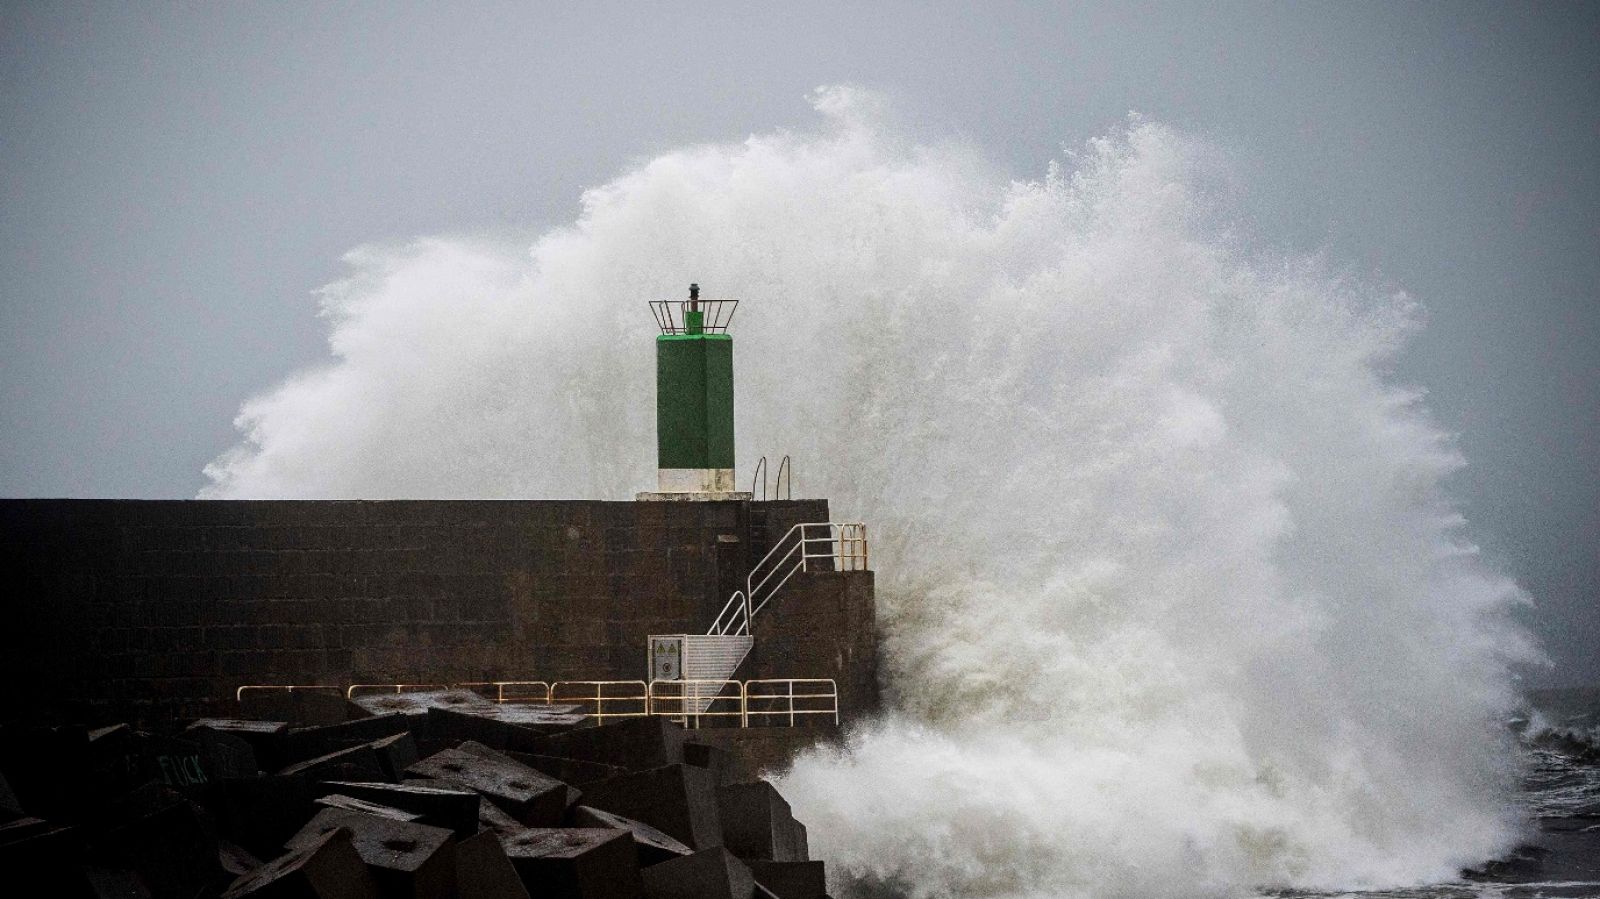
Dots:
{"x": 1174, "y": 601}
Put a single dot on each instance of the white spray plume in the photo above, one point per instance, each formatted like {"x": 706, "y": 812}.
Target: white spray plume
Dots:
{"x": 1174, "y": 602}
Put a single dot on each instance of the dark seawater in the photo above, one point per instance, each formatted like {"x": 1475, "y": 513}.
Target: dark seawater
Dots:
{"x": 1560, "y": 734}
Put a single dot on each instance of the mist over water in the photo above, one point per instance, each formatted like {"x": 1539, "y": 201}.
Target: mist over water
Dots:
{"x": 1175, "y": 603}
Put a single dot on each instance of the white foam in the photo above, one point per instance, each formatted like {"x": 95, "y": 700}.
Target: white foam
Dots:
{"x": 1175, "y": 604}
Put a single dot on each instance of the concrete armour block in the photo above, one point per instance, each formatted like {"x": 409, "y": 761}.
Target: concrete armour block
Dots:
{"x": 406, "y": 859}
{"x": 576, "y": 863}
{"x": 350, "y": 803}
{"x": 130, "y": 758}
{"x": 264, "y": 737}
{"x": 527, "y": 795}
{"x": 236, "y": 860}
{"x": 52, "y": 769}
{"x": 757, "y": 823}
{"x": 115, "y": 883}
{"x": 309, "y": 742}
{"x": 576, "y": 772}
{"x": 573, "y": 794}
{"x": 167, "y": 839}
{"x": 713, "y": 758}
{"x": 10, "y": 808}
{"x": 453, "y": 809}
{"x": 797, "y": 839}
{"x": 500, "y": 726}
{"x": 356, "y": 763}
{"x": 223, "y": 754}
{"x": 327, "y": 867}
{"x": 676, "y": 799}
{"x": 792, "y": 880}
{"x": 259, "y": 813}
{"x": 708, "y": 874}
{"x": 395, "y": 754}
{"x": 483, "y": 871}
{"x": 492, "y": 820}
{"x": 38, "y": 850}
{"x": 633, "y": 743}
{"x": 653, "y": 845}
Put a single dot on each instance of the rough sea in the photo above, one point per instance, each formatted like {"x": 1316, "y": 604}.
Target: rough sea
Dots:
{"x": 1175, "y": 597}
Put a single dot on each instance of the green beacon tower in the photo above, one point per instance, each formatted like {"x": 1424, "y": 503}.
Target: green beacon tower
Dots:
{"x": 694, "y": 398}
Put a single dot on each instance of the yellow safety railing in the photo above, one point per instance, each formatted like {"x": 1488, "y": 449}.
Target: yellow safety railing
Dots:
{"x": 535, "y": 692}
{"x": 687, "y": 701}
{"x": 604, "y": 697}
{"x": 764, "y": 699}
{"x": 810, "y": 546}
{"x": 367, "y": 689}
{"x": 761, "y": 702}
{"x": 281, "y": 688}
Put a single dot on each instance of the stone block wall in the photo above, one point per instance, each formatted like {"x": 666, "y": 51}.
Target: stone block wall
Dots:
{"x": 129, "y": 608}
{"x": 822, "y": 625}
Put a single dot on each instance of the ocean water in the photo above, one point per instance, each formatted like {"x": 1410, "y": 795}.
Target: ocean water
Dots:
{"x": 1174, "y": 596}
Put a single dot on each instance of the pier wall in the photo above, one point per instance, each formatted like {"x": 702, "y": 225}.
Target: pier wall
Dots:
{"x": 132, "y": 609}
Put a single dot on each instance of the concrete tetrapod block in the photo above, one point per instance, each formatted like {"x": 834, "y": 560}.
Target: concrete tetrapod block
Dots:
{"x": 326, "y": 867}
{"x": 484, "y": 871}
{"x": 455, "y": 809}
{"x": 676, "y": 799}
{"x": 757, "y": 823}
{"x": 634, "y": 743}
{"x": 792, "y": 880}
{"x": 708, "y": 874}
{"x": 576, "y": 862}
{"x": 653, "y": 845}
{"x": 532, "y": 798}
{"x": 406, "y": 859}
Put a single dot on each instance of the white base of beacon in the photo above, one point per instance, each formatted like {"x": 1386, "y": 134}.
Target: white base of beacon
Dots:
{"x": 694, "y": 485}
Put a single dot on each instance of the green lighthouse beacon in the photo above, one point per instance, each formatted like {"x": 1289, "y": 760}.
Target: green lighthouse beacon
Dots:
{"x": 694, "y": 399}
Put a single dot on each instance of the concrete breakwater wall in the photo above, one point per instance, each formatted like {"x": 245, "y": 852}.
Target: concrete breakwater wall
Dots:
{"x": 128, "y": 609}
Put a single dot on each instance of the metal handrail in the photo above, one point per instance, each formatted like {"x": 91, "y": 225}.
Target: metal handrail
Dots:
{"x": 695, "y": 691}
{"x": 600, "y": 698}
{"x": 238, "y": 694}
{"x": 350, "y": 693}
{"x": 789, "y": 696}
{"x": 540, "y": 697}
{"x": 670, "y": 317}
{"x": 784, "y": 467}
{"x": 760, "y": 475}
{"x": 846, "y": 547}
{"x": 734, "y": 613}
{"x": 651, "y": 697}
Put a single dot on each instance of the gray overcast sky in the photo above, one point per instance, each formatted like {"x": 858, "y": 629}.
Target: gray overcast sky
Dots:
{"x": 175, "y": 180}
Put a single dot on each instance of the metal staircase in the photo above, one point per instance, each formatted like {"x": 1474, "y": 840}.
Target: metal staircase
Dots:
{"x": 708, "y": 661}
